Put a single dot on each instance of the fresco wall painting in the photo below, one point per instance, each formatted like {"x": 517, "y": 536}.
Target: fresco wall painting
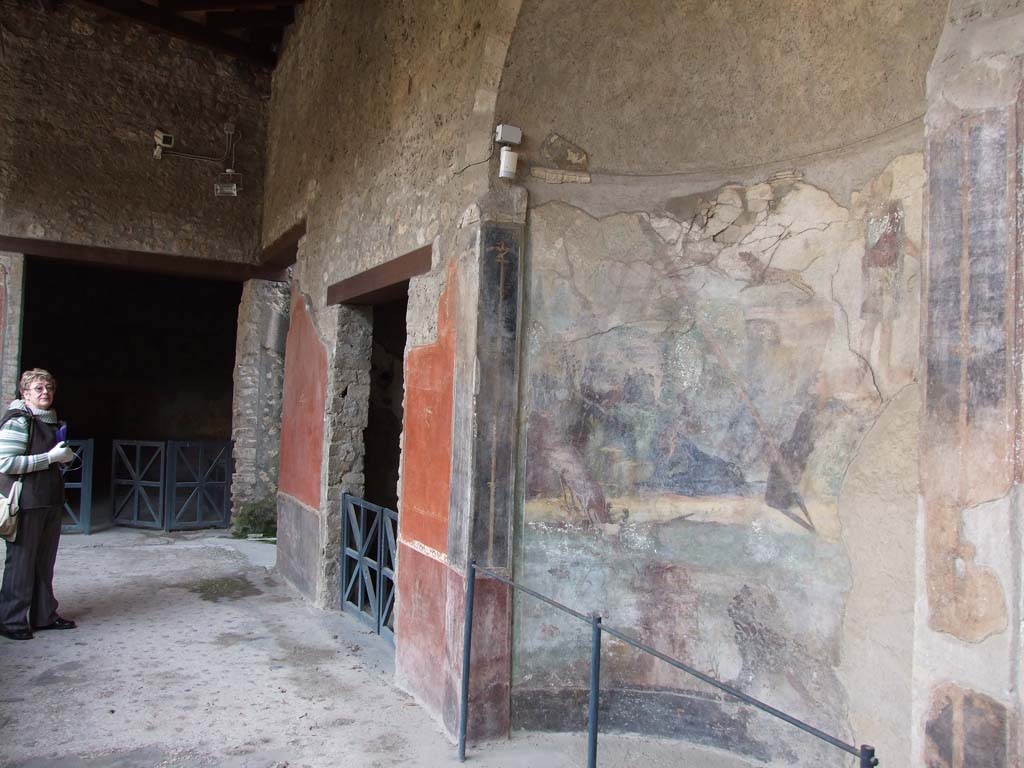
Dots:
{"x": 698, "y": 379}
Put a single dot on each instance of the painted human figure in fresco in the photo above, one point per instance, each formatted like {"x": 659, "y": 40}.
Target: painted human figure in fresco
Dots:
{"x": 782, "y": 492}
{"x": 883, "y": 272}
{"x": 613, "y": 418}
{"x": 558, "y": 465}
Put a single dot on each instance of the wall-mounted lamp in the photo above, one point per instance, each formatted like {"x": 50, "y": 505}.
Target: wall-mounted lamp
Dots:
{"x": 229, "y": 182}
{"x": 163, "y": 141}
{"x": 509, "y": 163}
{"x": 506, "y": 135}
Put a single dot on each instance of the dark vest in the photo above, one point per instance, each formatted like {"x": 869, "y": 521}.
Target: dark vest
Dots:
{"x": 44, "y": 488}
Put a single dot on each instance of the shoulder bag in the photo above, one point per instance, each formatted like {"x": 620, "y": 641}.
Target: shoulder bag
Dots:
{"x": 9, "y": 503}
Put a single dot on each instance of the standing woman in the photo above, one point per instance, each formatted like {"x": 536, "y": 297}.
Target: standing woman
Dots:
{"x": 30, "y": 446}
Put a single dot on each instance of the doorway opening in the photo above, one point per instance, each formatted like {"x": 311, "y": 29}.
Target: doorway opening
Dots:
{"x": 137, "y": 356}
{"x": 383, "y": 434}
{"x": 370, "y": 525}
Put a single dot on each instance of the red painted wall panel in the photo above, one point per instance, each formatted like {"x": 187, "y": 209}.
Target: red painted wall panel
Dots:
{"x": 427, "y": 453}
{"x": 302, "y": 413}
{"x": 491, "y": 664}
{"x": 430, "y": 594}
{"x": 420, "y": 633}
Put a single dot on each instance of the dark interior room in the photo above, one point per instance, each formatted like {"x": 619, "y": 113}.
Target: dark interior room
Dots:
{"x": 136, "y": 356}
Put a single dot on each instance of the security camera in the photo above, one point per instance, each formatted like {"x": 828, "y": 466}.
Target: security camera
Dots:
{"x": 163, "y": 140}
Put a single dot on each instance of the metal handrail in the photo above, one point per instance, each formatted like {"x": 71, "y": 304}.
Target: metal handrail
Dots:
{"x": 865, "y": 752}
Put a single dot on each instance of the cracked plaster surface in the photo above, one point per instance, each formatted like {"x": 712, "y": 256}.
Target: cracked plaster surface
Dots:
{"x": 774, "y": 288}
{"x": 699, "y": 377}
{"x": 877, "y": 508}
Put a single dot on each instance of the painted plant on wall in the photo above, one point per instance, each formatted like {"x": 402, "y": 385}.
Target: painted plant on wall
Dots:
{"x": 699, "y": 378}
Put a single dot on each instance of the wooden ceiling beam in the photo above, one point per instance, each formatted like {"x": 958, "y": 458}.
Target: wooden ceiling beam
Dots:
{"x": 142, "y": 261}
{"x": 266, "y": 36}
{"x": 284, "y": 251}
{"x": 165, "y": 21}
{"x": 278, "y": 17}
{"x": 182, "y": 6}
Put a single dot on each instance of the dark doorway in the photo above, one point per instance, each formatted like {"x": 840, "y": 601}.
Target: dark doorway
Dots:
{"x": 370, "y": 526}
{"x": 383, "y": 433}
{"x": 137, "y": 356}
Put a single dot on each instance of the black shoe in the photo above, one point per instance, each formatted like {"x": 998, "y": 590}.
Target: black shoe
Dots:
{"x": 58, "y": 623}
{"x": 16, "y": 634}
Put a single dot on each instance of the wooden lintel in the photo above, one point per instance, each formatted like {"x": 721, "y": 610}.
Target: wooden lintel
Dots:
{"x": 165, "y": 21}
{"x": 283, "y": 252}
{"x": 381, "y": 283}
{"x": 269, "y": 37}
{"x": 181, "y": 6}
{"x": 275, "y": 17}
{"x": 142, "y": 261}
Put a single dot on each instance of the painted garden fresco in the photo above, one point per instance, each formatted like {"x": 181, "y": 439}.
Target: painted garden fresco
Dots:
{"x": 698, "y": 380}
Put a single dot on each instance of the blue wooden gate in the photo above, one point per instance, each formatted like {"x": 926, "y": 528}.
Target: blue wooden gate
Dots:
{"x": 198, "y": 485}
{"x": 368, "y": 545}
{"x": 137, "y": 483}
{"x": 174, "y": 486}
{"x": 78, "y": 489}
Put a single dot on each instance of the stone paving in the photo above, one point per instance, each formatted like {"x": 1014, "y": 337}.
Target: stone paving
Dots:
{"x": 192, "y": 652}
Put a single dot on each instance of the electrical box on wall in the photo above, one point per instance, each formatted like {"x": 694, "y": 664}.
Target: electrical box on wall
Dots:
{"x": 508, "y": 134}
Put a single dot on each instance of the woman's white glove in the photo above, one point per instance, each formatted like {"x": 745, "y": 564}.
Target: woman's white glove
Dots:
{"x": 60, "y": 454}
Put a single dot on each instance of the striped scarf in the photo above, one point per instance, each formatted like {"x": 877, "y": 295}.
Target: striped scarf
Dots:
{"x": 14, "y": 441}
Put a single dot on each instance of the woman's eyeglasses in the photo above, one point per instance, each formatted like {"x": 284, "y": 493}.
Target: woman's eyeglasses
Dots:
{"x": 40, "y": 388}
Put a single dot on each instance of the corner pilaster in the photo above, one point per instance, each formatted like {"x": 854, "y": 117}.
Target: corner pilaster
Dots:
{"x": 968, "y": 647}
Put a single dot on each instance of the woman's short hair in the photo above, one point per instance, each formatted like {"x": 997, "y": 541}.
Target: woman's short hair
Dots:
{"x": 30, "y": 377}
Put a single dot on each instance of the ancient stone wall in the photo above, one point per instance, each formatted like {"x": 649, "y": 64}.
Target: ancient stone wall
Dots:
{"x": 347, "y": 416}
{"x": 720, "y": 367}
{"x": 12, "y": 271}
{"x": 380, "y": 135}
{"x": 82, "y": 92}
{"x": 720, "y": 378}
{"x": 380, "y": 138}
{"x": 259, "y": 379}
{"x": 372, "y": 164}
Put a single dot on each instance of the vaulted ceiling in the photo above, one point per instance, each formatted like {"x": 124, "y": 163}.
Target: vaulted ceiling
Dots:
{"x": 248, "y": 28}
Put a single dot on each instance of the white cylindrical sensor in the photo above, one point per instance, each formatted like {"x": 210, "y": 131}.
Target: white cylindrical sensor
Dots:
{"x": 509, "y": 161}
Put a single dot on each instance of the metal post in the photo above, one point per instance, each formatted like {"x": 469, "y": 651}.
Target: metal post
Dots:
{"x": 467, "y": 640}
{"x": 867, "y": 757}
{"x": 595, "y": 689}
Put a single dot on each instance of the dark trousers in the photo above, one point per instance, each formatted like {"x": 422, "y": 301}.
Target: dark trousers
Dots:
{"x": 28, "y": 570}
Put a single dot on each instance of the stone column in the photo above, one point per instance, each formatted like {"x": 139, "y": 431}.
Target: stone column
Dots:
{"x": 12, "y": 281}
{"x": 259, "y": 379}
{"x": 967, "y": 662}
{"x": 484, "y": 408}
{"x": 348, "y": 407}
